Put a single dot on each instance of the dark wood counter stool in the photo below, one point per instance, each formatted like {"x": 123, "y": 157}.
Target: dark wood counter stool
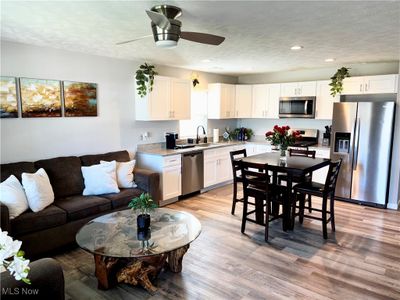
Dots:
{"x": 256, "y": 184}
{"x": 237, "y": 176}
{"x": 307, "y": 178}
{"x": 324, "y": 191}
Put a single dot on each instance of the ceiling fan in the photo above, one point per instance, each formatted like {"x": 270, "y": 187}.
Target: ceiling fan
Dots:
{"x": 167, "y": 29}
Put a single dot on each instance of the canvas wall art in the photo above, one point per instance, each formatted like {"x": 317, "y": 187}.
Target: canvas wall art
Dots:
{"x": 40, "y": 98}
{"x": 80, "y": 99}
{"x": 8, "y": 97}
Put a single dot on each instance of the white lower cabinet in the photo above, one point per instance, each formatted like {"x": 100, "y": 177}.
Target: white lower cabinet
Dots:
{"x": 171, "y": 182}
{"x": 170, "y": 170}
{"x": 217, "y": 165}
{"x": 320, "y": 174}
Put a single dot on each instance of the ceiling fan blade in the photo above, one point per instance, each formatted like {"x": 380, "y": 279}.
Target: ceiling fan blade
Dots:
{"x": 159, "y": 19}
{"x": 139, "y": 38}
{"x": 203, "y": 38}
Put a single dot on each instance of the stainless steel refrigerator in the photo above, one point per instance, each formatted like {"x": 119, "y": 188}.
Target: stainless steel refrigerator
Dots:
{"x": 362, "y": 137}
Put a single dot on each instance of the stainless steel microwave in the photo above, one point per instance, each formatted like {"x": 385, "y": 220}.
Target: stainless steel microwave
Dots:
{"x": 297, "y": 107}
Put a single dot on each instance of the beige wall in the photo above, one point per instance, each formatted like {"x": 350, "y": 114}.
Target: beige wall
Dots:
{"x": 394, "y": 191}
{"x": 115, "y": 127}
{"x": 322, "y": 73}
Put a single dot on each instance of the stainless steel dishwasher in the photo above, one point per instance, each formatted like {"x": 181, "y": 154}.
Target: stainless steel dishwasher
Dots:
{"x": 192, "y": 172}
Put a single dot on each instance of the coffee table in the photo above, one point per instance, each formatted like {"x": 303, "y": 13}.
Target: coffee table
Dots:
{"x": 122, "y": 254}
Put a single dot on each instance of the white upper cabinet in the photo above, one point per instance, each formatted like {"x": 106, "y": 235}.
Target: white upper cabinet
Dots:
{"x": 169, "y": 100}
{"x": 298, "y": 89}
{"x": 324, "y": 104}
{"x": 221, "y": 101}
{"x": 243, "y": 102}
{"x": 180, "y": 99}
{"x": 370, "y": 84}
{"x": 266, "y": 101}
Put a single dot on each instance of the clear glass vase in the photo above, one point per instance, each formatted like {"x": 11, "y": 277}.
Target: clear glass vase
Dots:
{"x": 283, "y": 153}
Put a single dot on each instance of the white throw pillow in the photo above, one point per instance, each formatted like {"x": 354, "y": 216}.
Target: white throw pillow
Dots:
{"x": 125, "y": 177}
{"x": 100, "y": 179}
{"x": 13, "y": 196}
{"x": 38, "y": 190}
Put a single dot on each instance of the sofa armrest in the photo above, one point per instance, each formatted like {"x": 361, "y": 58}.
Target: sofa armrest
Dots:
{"x": 47, "y": 282}
{"x": 4, "y": 218}
{"x": 148, "y": 181}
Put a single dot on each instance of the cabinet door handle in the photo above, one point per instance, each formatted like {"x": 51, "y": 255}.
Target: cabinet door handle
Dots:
{"x": 366, "y": 87}
{"x": 360, "y": 87}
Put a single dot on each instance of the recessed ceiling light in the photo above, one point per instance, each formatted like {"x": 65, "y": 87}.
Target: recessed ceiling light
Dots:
{"x": 296, "y": 47}
{"x": 206, "y": 60}
{"x": 329, "y": 60}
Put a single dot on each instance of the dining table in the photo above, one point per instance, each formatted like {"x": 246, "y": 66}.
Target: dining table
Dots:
{"x": 292, "y": 166}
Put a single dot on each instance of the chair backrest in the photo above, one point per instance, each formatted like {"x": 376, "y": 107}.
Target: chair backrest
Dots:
{"x": 255, "y": 178}
{"x": 301, "y": 152}
{"x": 235, "y": 155}
{"x": 331, "y": 178}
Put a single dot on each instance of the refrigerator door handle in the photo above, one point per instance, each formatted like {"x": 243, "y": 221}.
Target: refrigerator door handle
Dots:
{"x": 356, "y": 144}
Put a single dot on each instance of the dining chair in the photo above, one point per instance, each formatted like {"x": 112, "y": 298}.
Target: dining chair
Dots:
{"x": 299, "y": 179}
{"x": 256, "y": 184}
{"x": 323, "y": 191}
{"x": 237, "y": 176}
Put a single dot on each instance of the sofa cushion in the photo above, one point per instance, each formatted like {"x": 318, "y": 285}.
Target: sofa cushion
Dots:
{"x": 65, "y": 175}
{"x": 122, "y": 198}
{"x": 16, "y": 169}
{"x": 121, "y": 156}
{"x": 29, "y": 221}
{"x": 79, "y": 207}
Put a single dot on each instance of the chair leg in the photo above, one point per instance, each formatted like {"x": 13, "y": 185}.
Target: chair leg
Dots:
{"x": 324, "y": 223}
{"x": 332, "y": 209}
{"x": 234, "y": 200}
{"x": 245, "y": 200}
{"x": 294, "y": 210}
{"x": 267, "y": 220}
{"x": 309, "y": 203}
{"x": 301, "y": 212}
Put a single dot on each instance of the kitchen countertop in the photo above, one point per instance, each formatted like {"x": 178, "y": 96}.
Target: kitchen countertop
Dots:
{"x": 160, "y": 151}
{"x": 167, "y": 152}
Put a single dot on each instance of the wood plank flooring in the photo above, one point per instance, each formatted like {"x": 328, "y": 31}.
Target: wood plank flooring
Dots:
{"x": 360, "y": 261}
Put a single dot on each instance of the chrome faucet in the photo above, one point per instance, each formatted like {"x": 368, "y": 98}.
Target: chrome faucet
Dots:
{"x": 197, "y": 133}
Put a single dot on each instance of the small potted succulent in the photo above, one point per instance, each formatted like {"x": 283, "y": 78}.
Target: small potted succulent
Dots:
{"x": 144, "y": 204}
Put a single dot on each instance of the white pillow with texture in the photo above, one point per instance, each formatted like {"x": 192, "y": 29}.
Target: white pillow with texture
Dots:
{"x": 125, "y": 177}
{"x": 13, "y": 196}
{"x": 100, "y": 179}
{"x": 38, "y": 190}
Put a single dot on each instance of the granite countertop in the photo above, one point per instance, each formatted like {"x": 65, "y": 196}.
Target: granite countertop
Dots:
{"x": 160, "y": 150}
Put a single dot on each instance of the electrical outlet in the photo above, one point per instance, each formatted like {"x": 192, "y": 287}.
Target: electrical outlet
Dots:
{"x": 145, "y": 136}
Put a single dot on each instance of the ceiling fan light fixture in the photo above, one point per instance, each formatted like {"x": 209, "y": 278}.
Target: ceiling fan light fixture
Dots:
{"x": 166, "y": 44}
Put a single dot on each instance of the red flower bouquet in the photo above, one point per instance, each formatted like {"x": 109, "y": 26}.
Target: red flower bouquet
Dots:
{"x": 282, "y": 136}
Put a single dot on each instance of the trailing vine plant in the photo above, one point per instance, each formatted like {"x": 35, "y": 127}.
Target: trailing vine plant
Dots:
{"x": 145, "y": 79}
{"x": 337, "y": 80}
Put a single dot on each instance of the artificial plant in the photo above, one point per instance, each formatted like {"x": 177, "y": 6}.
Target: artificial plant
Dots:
{"x": 145, "y": 79}
{"x": 337, "y": 80}
{"x": 143, "y": 203}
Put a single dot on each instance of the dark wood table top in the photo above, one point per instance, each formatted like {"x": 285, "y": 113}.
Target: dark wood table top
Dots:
{"x": 293, "y": 164}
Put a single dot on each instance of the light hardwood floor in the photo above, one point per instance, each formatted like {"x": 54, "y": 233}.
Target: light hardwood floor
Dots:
{"x": 360, "y": 261}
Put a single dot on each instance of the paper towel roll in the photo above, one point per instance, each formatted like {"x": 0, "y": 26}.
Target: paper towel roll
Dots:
{"x": 215, "y": 135}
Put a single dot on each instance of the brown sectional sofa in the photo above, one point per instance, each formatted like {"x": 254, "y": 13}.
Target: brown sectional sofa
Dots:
{"x": 57, "y": 225}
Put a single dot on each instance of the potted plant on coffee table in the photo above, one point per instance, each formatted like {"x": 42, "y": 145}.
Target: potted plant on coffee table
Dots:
{"x": 144, "y": 204}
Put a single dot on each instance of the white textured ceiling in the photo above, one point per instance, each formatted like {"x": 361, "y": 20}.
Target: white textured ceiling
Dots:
{"x": 258, "y": 34}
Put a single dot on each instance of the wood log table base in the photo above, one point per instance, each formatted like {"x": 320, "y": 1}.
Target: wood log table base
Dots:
{"x": 136, "y": 271}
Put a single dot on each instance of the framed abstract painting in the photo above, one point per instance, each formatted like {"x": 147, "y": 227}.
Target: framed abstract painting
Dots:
{"x": 80, "y": 99}
{"x": 40, "y": 98}
{"x": 8, "y": 97}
